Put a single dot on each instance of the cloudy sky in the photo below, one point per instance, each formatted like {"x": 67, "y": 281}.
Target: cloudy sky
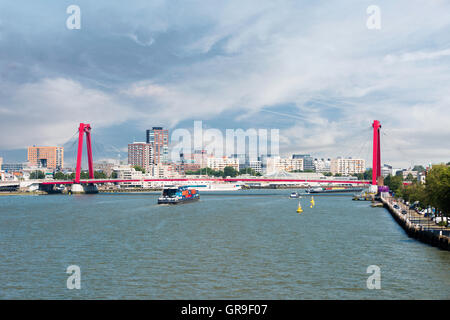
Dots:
{"x": 312, "y": 69}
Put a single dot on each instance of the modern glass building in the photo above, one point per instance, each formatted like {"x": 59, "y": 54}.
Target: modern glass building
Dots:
{"x": 159, "y": 139}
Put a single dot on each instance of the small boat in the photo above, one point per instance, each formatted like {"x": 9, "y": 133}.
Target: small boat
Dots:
{"x": 294, "y": 195}
{"x": 177, "y": 195}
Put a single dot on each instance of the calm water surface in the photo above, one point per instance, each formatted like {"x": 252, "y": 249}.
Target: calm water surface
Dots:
{"x": 248, "y": 244}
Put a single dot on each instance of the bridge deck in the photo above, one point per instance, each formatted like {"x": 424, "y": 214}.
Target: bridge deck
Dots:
{"x": 100, "y": 181}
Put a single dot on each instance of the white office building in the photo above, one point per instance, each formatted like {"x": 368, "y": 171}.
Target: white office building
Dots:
{"x": 256, "y": 165}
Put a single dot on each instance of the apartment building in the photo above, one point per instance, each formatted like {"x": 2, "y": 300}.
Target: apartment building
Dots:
{"x": 347, "y": 166}
{"x": 140, "y": 154}
{"x": 276, "y": 164}
{"x": 158, "y": 137}
{"x": 220, "y": 163}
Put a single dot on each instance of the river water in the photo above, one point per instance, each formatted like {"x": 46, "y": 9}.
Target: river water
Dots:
{"x": 240, "y": 245}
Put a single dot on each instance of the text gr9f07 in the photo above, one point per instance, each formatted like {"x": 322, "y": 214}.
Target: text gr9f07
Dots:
{"x": 246, "y": 309}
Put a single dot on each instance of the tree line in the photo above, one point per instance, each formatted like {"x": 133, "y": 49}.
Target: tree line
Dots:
{"x": 62, "y": 176}
{"x": 435, "y": 192}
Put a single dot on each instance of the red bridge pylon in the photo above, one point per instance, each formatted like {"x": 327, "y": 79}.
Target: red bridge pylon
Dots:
{"x": 84, "y": 128}
{"x": 376, "y": 168}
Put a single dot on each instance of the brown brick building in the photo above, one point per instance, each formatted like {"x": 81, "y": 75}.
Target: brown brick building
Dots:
{"x": 46, "y": 157}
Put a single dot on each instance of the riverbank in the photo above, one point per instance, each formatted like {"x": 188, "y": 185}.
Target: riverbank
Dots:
{"x": 19, "y": 193}
{"x": 417, "y": 226}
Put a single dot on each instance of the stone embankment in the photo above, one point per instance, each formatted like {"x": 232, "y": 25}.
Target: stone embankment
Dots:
{"x": 417, "y": 226}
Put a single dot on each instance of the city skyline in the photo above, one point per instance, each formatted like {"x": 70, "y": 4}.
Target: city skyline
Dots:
{"x": 210, "y": 152}
{"x": 316, "y": 72}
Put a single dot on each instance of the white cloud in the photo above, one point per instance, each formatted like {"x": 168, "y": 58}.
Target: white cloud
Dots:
{"x": 247, "y": 57}
{"x": 417, "y": 56}
{"x": 47, "y": 112}
{"x": 144, "y": 43}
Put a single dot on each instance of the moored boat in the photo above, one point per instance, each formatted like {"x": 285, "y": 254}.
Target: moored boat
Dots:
{"x": 294, "y": 195}
{"x": 333, "y": 190}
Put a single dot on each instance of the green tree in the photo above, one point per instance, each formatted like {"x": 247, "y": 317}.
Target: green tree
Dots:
{"x": 437, "y": 187}
{"x": 395, "y": 183}
{"x": 410, "y": 177}
{"x": 419, "y": 168}
{"x": 113, "y": 175}
{"x": 100, "y": 175}
{"x": 139, "y": 168}
{"x": 83, "y": 175}
{"x": 249, "y": 171}
{"x": 59, "y": 176}
{"x": 327, "y": 174}
{"x": 37, "y": 175}
{"x": 415, "y": 192}
{"x": 435, "y": 192}
{"x": 368, "y": 174}
{"x": 229, "y": 172}
{"x": 205, "y": 171}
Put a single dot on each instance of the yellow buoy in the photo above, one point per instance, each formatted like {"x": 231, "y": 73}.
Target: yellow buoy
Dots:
{"x": 313, "y": 203}
{"x": 299, "y": 209}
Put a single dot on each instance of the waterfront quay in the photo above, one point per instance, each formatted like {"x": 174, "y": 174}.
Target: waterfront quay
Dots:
{"x": 417, "y": 226}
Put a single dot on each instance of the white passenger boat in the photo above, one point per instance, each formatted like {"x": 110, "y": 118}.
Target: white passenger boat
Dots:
{"x": 216, "y": 187}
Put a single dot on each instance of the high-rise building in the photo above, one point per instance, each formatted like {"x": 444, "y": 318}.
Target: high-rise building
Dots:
{"x": 46, "y": 157}
{"x": 159, "y": 138}
{"x": 1, "y": 161}
{"x": 347, "y": 166}
{"x": 140, "y": 154}
{"x": 308, "y": 161}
